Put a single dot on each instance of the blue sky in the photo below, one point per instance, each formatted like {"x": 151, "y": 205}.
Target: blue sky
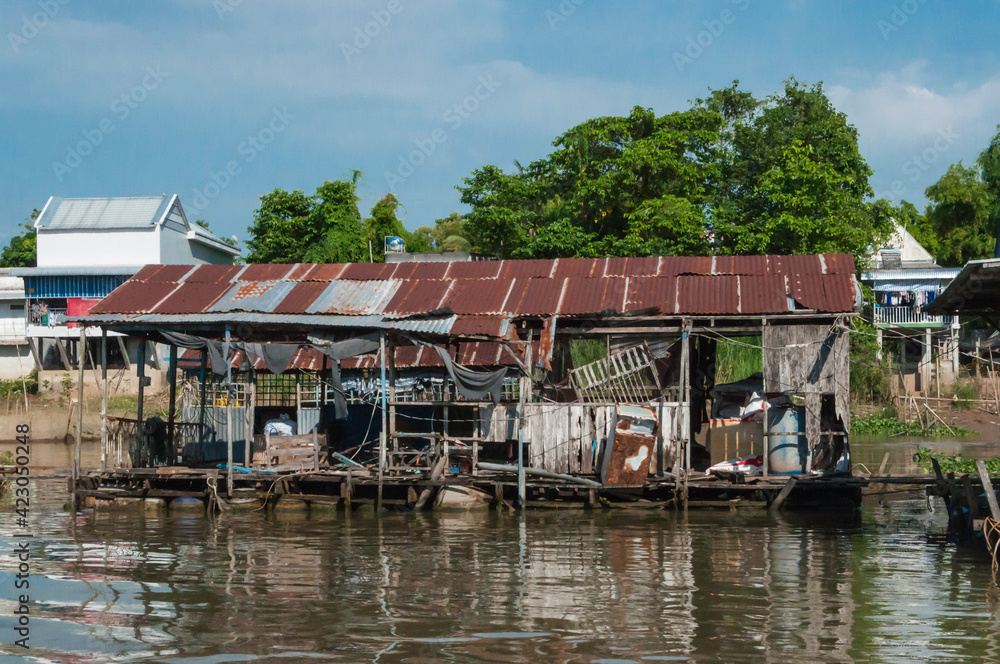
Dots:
{"x": 222, "y": 101}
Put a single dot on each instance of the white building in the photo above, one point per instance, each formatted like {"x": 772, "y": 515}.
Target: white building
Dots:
{"x": 15, "y": 359}
{"x": 87, "y": 247}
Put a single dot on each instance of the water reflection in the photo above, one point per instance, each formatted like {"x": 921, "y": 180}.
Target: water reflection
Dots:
{"x": 555, "y": 586}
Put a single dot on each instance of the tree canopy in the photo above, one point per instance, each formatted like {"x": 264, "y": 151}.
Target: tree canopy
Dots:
{"x": 730, "y": 175}
{"x": 22, "y": 250}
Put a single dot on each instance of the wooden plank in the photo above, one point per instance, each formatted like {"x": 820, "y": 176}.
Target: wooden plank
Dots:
{"x": 991, "y": 497}
{"x": 970, "y": 497}
{"x": 783, "y": 494}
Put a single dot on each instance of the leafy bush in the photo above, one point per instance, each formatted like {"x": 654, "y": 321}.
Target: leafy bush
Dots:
{"x": 953, "y": 463}
{"x": 965, "y": 393}
{"x": 738, "y": 359}
{"x": 870, "y": 381}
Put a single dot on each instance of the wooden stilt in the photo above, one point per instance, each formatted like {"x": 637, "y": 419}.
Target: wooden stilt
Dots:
{"x": 172, "y": 406}
{"x": 104, "y": 398}
{"x": 382, "y": 443}
{"x": 140, "y": 371}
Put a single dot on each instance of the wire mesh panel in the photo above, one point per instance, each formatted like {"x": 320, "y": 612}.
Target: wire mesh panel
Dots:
{"x": 624, "y": 376}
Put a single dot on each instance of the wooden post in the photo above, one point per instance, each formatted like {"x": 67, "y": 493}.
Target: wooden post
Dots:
{"x": 525, "y": 387}
{"x": 140, "y": 371}
{"x": 975, "y": 364}
{"x": 172, "y": 407}
{"x": 783, "y": 494}
{"x": 229, "y": 415}
{"x": 203, "y": 390}
{"x": 991, "y": 497}
{"x": 685, "y": 398}
{"x": 385, "y": 424}
{"x": 391, "y": 440}
{"x": 249, "y": 414}
{"x": 81, "y": 357}
{"x": 104, "y": 398}
{"x": 123, "y": 347}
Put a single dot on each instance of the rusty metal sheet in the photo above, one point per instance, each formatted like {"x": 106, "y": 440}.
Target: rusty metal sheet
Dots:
{"x": 299, "y": 298}
{"x": 324, "y": 272}
{"x": 474, "y": 270}
{"x": 194, "y": 297}
{"x": 615, "y": 267}
{"x": 659, "y": 293}
{"x": 266, "y": 272}
{"x": 478, "y": 296}
{"x": 527, "y": 269}
{"x": 591, "y": 296}
{"x": 134, "y": 297}
{"x": 827, "y": 293}
{"x": 643, "y": 267}
{"x": 418, "y": 297}
{"x": 261, "y": 296}
{"x": 162, "y": 273}
{"x": 535, "y": 296}
{"x": 367, "y": 271}
{"x": 634, "y": 445}
{"x": 762, "y": 295}
{"x": 546, "y": 342}
{"x": 353, "y": 297}
{"x": 838, "y": 263}
{"x": 797, "y": 265}
{"x": 707, "y": 295}
{"x": 674, "y": 265}
{"x": 580, "y": 268}
{"x": 205, "y": 274}
{"x": 494, "y": 326}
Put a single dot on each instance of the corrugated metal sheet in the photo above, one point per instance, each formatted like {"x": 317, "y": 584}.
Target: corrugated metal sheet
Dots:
{"x": 353, "y": 297}
{"x": 493, "y": 326}
{"x": 253, "y": 296}
{"x": 918, "y": 275}
{"x": 762, "y": 295}
{"x": 301, "y": 297}
{"x": 266, "y": 272}
{"x": 478, "y": 296}
{"x": 652, "y": 293}
{"x": 133, "y": 297}
{"x": 89, "y": 286}
{"x": 193, "y": 296}
{"x": 94, "y": 213}
{"x": 698, "y": 294}
{"x": 370, "y": 294}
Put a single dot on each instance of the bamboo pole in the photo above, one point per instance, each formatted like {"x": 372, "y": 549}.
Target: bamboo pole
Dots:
{"x": 104, "y": 398}
{"x": 382, "y": 443}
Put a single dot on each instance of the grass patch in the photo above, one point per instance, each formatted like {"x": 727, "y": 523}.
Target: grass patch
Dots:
{"x": 953, "y": 463}
{"x": 585, "y": 351}
{"x": 736, "y": 360}
{"x": 965, "y": 394}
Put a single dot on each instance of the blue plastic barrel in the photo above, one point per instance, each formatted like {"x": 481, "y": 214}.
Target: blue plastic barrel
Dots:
{"x": 787, "y": 450}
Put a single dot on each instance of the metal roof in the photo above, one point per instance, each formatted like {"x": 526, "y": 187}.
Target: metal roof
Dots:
{"x": 976, "y": 290}
{"x": 103, "y": 213}
{"x": 922, "y": 274}
{"x": 480, "y": 296}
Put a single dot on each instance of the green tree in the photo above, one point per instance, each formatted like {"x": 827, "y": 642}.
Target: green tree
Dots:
{"x": 290, "y": 227}
{"x": 447, "y": 234}
{"x": 22, "y": 250}
{"x": 989, "y": 165}
{"x": 383, "y": 223}
{"x": 961, "y": 214}
{"x": 792, "y": 178}
{"x": 730, "y": 175}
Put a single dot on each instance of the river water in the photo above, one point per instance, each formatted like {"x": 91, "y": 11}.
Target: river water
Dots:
{"x": 561, "y": 585}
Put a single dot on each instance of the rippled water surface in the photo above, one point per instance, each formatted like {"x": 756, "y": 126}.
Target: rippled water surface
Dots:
{"x": 140, "y": 585}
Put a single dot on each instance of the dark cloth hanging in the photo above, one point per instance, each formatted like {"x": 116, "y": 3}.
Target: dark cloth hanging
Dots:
{"x": 276, "y": 357}
{"x": 471, "y": 384}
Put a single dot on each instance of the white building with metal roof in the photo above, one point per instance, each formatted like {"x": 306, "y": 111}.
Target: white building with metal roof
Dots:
{"x": 87, "y": 247}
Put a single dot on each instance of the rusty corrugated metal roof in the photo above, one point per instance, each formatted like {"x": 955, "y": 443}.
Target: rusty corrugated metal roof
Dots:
{"x": 706, "y": 285}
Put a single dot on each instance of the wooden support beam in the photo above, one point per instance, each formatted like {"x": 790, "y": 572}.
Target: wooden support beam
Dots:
{"x": 172, "y": 406}
{"x": 783, "y": 494}
{"x": 140, "y": 370}
{"x": 991, "y": 497}
{"x": 383, "y": 438}
{"x": 35, "y": 353}
{"x": 61, "y": 345}
{"x": 104, "y": 398}
{"x": 123, "y": 347}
